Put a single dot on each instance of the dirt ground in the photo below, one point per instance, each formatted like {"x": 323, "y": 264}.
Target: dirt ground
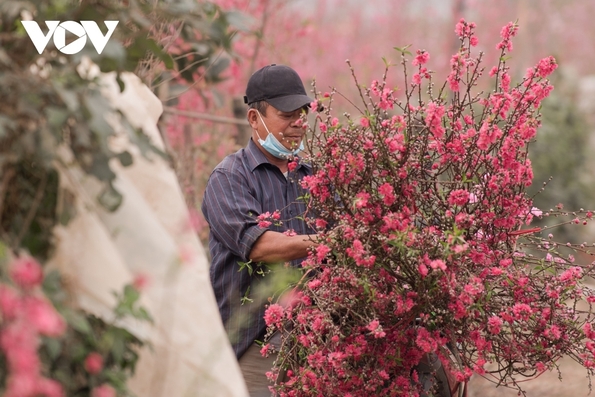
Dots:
{"x": 574, "y": 383}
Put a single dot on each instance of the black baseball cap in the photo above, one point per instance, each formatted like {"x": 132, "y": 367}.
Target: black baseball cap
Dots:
{"x": 280, "y": 86}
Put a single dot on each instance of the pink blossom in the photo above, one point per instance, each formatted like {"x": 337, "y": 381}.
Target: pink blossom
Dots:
{"x": 320, "y": 223}
{"x": 394, "y": 144}
{"x": 546, "y": 66}
{"x": 292, "y": 165}
{"x": 373, "y": 325}
{"x": 507, "y": 33}
{"x": 589, "y": 332}
{"x": 425, "y": 341}
{"x": 422, "y": 57}
{"x": 23, "y": 384}
{"x": 49, "y": 388}
{"x": 464, "y": 29}
{"x": 361, "y": 199}
{"x": 434, "y": 114}
{"x": 26, "y": 272}
{"x": 387, "y": 191}
{"x": 10, "y": 302}
{"x": 574, "y": 272}
{"x": 505, "y": 262}
{"x": 505, "y": 82}
{"x": 23, "y": 359}
{"x": 438, "y": 264}
{"x": 104, "y": 390}
{"x": 265, "y": 350}
{"x": 93, "y": 363}
{"x": 458, "y": 197}
{"x": 264, "y": 224}
{"x": 364, "y": 122}
{"x": 322, "y": 251}
{"x": 460, "y": 248}
{"x": 273, "y": 314}
{"x": 522, "y": 311}
{"x": 553, "y": 332}
{"x": 460, "y": 28}
{"x": 314, "y": 284}
{"x": 494, "y": 324}
{"x": 43, "y": 316}
{"x": 540, "y": 367}
{"x": 141, "y": 281}
{"x": 453, "y": 81}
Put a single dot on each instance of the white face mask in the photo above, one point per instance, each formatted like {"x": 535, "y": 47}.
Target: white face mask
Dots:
{"x": 272, "y": 145}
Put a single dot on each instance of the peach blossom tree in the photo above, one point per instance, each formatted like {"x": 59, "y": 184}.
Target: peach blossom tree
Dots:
{"x": 425, "y": 239}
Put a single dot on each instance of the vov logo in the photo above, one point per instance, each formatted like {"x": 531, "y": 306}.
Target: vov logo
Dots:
{"x": 82, "y": 30}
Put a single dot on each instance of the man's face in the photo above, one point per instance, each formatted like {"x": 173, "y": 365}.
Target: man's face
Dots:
{"x": 287, "y": 127}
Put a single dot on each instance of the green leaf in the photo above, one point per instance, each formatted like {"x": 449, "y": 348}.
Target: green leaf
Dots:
{"x": 118, "y": 348}
{"x": 160, "y": 53}
{"x": 53, "y": 347}
{"x": 239, "y": 20}
{"x": 403, "y": 50}
{"x": 120, "y": 82}
{"x": 116, "y": 378}
{"x": 69, "y": 97}
{"x": 110, "y": 198}
{"x": 247, "y": 266}
{"x": 5, "y": 123}
{"x": 143, "y": 314}
{"x": 68, "y": 207}
{"x": 56, "y": 116}
{"x": 77, "y": 321}
{"x": 4, "y": 58}
{"x": 246, "y": 298}
{"x": 100, "y": 168}
{"x": 98, "y": 108}
{"x": 125, "y": 158}
{"x": 216, "y": 68}
{"x": 107, "y": 341}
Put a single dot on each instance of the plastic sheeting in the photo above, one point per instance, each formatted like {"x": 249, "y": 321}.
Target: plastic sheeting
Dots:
{"x": 150, "y": 236}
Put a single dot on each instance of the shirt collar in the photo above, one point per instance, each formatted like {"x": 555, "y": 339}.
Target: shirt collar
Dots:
{"x": 255, "y": 157}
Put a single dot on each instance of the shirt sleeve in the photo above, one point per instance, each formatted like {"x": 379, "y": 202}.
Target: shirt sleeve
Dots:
{"x": 231, "y": 210}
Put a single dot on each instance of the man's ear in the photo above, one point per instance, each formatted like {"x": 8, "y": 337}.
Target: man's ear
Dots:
{"x": 252, "y": 117}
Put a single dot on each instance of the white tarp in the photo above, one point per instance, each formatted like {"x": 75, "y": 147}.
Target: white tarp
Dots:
{"x": 99, "y": 252}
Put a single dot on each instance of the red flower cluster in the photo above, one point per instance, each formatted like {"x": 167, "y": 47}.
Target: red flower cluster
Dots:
{"x": 420, "y": 206}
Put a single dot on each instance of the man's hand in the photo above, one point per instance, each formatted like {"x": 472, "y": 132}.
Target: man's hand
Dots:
{"x": 274, "y": 247}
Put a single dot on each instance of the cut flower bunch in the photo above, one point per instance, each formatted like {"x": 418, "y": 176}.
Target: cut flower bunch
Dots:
{"x": 425, "y": 239}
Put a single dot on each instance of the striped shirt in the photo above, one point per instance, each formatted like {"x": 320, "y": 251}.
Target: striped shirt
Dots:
{"x": 243, "y": 186}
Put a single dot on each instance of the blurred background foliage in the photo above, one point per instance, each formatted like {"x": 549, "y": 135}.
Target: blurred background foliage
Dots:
{"x": 561, "y": 158}
{"x": 203, "y": 124}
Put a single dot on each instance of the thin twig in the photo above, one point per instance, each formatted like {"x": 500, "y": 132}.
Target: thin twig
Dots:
{"x": 204, "y": 116}
{"x": 32, "y": 210}
{"x": 3, "y": 186}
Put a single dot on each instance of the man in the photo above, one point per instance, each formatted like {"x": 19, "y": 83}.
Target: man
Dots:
{"x": 251, "y": 182}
